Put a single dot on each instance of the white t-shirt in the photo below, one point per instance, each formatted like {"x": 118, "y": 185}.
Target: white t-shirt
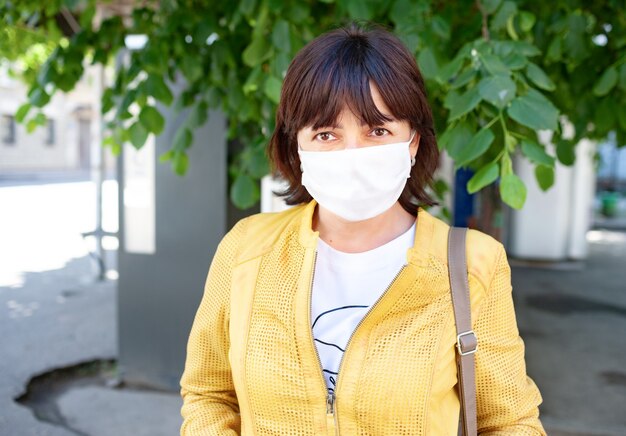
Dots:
{"x": 345, "y": 285}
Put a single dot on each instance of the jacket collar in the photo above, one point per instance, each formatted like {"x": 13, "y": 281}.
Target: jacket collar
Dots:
{"x": 417, "y": 255}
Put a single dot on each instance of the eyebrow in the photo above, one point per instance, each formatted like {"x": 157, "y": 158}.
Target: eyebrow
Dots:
{"x": 340, "y": 127}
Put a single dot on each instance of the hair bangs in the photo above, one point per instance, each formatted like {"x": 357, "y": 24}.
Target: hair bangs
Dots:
{"x": 342, "y": 82}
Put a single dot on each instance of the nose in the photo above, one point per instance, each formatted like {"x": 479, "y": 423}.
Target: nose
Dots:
{"x": 351, "y": 141}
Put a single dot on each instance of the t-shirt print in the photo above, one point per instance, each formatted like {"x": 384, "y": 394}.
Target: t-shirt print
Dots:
{"x": 330, "y": 340}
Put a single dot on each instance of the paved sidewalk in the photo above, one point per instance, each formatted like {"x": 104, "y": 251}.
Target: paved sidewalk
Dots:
{"x": 573, "y": 320}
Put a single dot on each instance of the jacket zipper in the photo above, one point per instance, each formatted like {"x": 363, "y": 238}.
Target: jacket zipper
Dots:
{"x": 331, "y": 397}
{"x": 372, "y": 307}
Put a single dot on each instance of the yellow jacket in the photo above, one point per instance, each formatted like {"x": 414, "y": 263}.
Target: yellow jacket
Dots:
{"x": 252, "y": 366}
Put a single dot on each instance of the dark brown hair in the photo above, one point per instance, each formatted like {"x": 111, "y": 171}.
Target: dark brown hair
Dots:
{"x": 333, "y": 71}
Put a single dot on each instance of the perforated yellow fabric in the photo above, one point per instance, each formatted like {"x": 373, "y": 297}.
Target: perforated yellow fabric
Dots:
{"x": 252, "y": 367}
{"x": 210, "y": 402}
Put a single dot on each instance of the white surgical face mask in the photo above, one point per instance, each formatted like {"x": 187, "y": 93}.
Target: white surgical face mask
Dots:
{"x": 358, "y": 183}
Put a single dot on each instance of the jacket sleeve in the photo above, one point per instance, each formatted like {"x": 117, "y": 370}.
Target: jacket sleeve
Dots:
{"x": 507, "y": 399}
{"x": 210, "y": 404}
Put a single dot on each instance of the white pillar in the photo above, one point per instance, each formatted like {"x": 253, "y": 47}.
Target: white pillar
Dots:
{"x": 269, "y": 201}
{"x": 552, "y": 225}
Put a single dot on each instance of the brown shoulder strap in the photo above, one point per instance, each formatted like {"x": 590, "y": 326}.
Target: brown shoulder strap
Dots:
{"x": 466, "y": 341}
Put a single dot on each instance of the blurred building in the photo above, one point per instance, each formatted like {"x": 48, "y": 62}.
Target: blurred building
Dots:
{"x": 66, "y": 142}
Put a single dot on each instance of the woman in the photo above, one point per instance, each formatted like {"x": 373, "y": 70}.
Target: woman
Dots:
{"x": 335, "y": 316}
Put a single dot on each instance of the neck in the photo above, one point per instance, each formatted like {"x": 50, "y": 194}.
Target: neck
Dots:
{"x": 359, "y": 236}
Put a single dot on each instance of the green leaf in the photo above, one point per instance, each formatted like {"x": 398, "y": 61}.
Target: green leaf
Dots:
{"x": 507, "y": 10}
{"x": 494, "y": 64}
{"x": 280, "y": 36}
{"x": 539, "y": 77}
{"x": 565, "y": 152}
{"x": 455, "y": 138}
{"x": 22, "y": 111}
{"x": 272, "y": 89}
{"x": 477, "y": 147}
{"x": 156, "y": 87}
{"x": 441, "y": 27}
{"x": 244, "y": 192}
{"x": 510, "y": 141}
{"x": 47, "y": 73}
{"x": 450, "y": 69}
{"x": 247, "y": 7}
{"x": 38, "y": 97}
{"x": 622, "y": 77}
{"x": 464, "y": 78}
{"x": 536, "y": 153}
{"x": 555, "y": 49}
{"x": 138, "y": 135}
{"x": 113, "y": 144}
{"x": 107, "y": 101}
{"x": 465, "y": 103}
{"x": 534, "y": 110}
{"x": 527, "y": 20}
{"x": 427, "y": 63}
{"x": 524, "y": 48}
{"x": 491, "y": 5}
{"x": 180, "y": 162}
{"x": 152, "y": 119}
{"x": 127, "y": 100}
{"x": 506, "y": 165}
{"x": 607, "y": 81}
{"x": 359, "y": 9}
{"x": 544, "y": 176}
{"x": 621, "y": 119}
{"x": 182, "y": 139}
{"x": 513, "y": 191}
{"x": 198, "y": 115}
{"x": 66, "y": 82}
{"x": 280, "y": 63}
{"x": 257, "y": 164}
{"x": 576, "y": 39}
{"x": 38, "y": 120}
{"x": 497, "y": 90}
{"x": 510, "y": 28}
{"x": 604, "y": 115}
{"x": 168, "y": 155}
{"x": 257, "y": 51}
{"x": 184, "y": 99}
{"x": 191, "y": 67}
{"x": 515, "y": 61}
{"x": 485, "y": 176}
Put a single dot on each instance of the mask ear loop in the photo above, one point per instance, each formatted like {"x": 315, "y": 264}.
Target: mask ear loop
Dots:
{"x": 411, "y": 140}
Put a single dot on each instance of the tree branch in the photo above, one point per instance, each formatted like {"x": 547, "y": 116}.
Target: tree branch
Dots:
{"x": 485, "y": 27}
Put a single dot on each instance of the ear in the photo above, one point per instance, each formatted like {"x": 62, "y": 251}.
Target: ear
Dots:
{"x": 414, "y": 145}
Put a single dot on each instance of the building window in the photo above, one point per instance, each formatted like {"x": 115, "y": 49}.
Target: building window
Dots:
{"x": 7, "y": 129}
{"x": 50, "y": 129}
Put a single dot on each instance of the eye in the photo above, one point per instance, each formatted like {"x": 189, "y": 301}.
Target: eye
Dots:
{"x": 324, "y": 136}
{"x": 380, "y": 132}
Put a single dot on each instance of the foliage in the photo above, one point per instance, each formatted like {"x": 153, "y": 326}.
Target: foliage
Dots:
{"x": 497, "y": 72}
